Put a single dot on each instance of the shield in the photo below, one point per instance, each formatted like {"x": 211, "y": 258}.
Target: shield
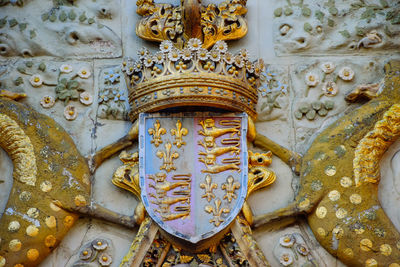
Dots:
{"x": 193, "y": 171}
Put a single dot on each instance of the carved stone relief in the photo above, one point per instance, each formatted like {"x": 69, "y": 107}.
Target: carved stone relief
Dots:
{"x": 324, "y": 61}
{"x": 62, "y": 29}
{"x": 355, "y": 27}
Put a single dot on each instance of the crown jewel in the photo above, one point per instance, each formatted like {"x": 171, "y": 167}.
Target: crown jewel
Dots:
{"x": 192, "y": 76}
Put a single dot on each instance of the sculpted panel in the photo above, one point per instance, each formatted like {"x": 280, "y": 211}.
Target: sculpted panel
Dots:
{"x": 190, "y": 153}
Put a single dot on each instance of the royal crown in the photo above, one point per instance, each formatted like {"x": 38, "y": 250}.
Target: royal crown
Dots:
{"x": 192, "y": 76}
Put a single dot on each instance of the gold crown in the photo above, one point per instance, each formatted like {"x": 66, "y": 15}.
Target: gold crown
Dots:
{"x": 193, "y": 76}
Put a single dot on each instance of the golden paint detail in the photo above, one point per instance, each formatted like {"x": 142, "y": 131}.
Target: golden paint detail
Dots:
{"x": 168, "y": 157}
{"x": 232, "y": 164}
{"x": 359, "y": 230}
{"x": 230, "y": 187}
{"x": 127, "y": 175}
{"x": 197, "y": 81}
{"x": 386, "y": 249}
{"x": 25, "y": 196}
{"x": 338, "y": 232}
{"x": 208, "y": 187}
{"x": 164, "y": 202}
{"x": 15, "y": 245}
{"x": 305, "y": 203}
{"x": 371, "y": 263}
{"x": 346, "y": 182}
{"x": 20, "y": 149}
{"x": 51, "y": 221}
{"x": 157, "y": 132}
{"x": 160, "y": 22}
{"x": 348, "y": 253}
{"x": 50, "y": 241}
{"x": 48, "y": 171}
{"x": 32, "y": 230}
{"x": 46, "y": 186}
{"x": 321, "y": 212}
{"x": 212, "y": 151}
{"x": 209, "y": 129}
{"x": 321, "y": 231}
{"x": 210, "y": 156}
{"x": 179, "y": 132}
{"x": 217, "y": 212}
{"x": 145, "y": 234}
{"x": 259, "y": 176}
{"x": 80, "y": 201}
{"x": 248, "y": 245}
{"x": 341, "y": 213}
{"x": 366, "y": 244}
{"x": 14, "y": 226}
{"x": 69, "y": 221}
{"x": 12, "y": 96}
{"x": 223, "y": 22}
{"x": 372, "y": 147}
{"x": 54, "y": 207}
{"x": 355, "y": 199}
{"x": 210, "y": 23}
{"x": 334, "y": 195}
{"x": 32, "y": 254}
{"x": 354, "y": 145}
{"x": 33, "y": 213}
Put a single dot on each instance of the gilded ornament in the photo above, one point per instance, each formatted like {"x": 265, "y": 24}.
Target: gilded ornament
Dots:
{"x": 208, "y": 187}
{"x": 47, "y": 101}
{"x": 341, "y": 213}
{"x": 365, "y": 133}
{"x": 157, "y": 132}
{"x": 164, "y": 202}
{"x": 32, "y": 230}
{"x": 355, "y": 199}
{"x": 230, "y": 187}
{"x": 321, "y": 212}
{"x": 14, "y": 226}
{"x": 192, "y": 20}
{"x": 15, "y": 245}
{"x": 127, "y": 176}
{"x": 168, "y": 157}
{"x": 334, "y": 195}
{"x": 259, "y": 175}
{"x": 217, "y": 212}
{"x": 18, "y": 145}
{"x": 179, "y": 132}
{"x": 170, "y": 84}
{"x": 372, "y": 147}
{"x": 210, "y": 155}
{"x": 32, "y": 254}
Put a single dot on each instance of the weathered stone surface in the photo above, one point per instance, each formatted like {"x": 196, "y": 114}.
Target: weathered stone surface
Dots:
{"x": 294, "y": 40}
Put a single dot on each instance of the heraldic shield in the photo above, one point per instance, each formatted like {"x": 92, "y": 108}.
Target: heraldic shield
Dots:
{"x": 193, "y": 171}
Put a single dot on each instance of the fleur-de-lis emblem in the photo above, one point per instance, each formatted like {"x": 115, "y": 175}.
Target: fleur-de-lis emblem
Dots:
{"x": 208, "y": 187}
{"x": 156, "y": 133}
{"x": 230, "y": 187}
{"x": 217, "y": 212}
{"x": 179, "y": 132}
{"x": 167, "y": 158}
